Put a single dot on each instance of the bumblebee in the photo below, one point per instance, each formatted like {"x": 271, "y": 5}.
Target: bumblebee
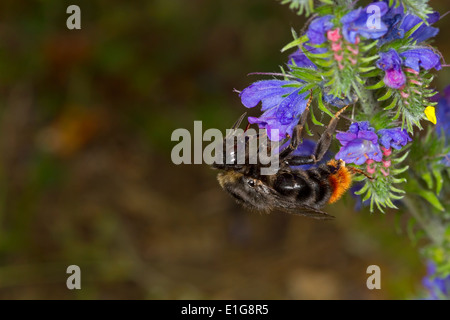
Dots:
{"x": 296, "y": 191}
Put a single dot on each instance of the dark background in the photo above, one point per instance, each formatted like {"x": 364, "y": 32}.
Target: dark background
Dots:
{"x": 86, "y": 178}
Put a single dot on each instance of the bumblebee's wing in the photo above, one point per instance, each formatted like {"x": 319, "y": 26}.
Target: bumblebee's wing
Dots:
{"x": 289, "y": 206}
{"x": 308, "y": 212}
{"x": 303, "y": 210}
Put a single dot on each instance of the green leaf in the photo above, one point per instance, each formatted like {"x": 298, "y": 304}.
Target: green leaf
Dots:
{"x": 419, "y": 8}
{"x": 305, "y": 74}
{"x": 410, "y": 32}
{"x": 439, "y": 180}
{"x": 307, "y": 87}
{"x": 387, "y": 95}
{"x": 369, "y": 59}
{"x": 308, "y": 131}
{"x": 322, "y": 106}
{"x": 295, "y": 43}
{"x": 431, "y": 198}
{"x": 362, "y": 190}
{"x": 397, "y": 190}
{"x": 403, "y": 157}
{"x": 393, "y": 104}
{"x": 426, "y": 176}
{"x": 362, "y": 70}
{"x": 376, "y": 86}
{"x": 369, "y": 46}
{"x": 399, "y": 171}
{"x": 313, "y": 118}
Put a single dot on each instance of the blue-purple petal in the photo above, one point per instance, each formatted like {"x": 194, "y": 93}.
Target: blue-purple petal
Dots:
{"x": 424, "y": 32}
{"x": 281, "y": 102}
{"x": 359, "y": 151}
{"x": 292, "y": 106}
{"x": 317, "y": 29}
{"x": 422, "y": 57}
{"x": 269, "y": 92}
{"x": 394, "y": 138}
{"x": 368, "y": 135}
{"x": 345, "y": 137}
{"x": 389, "y": 60}
{"x": 443, "y": 114}
{"x": 438, "y": 287}
{"x": 299, "y": 59}
{"x": 355, "y": 23}
{"x": 359, "y": 144}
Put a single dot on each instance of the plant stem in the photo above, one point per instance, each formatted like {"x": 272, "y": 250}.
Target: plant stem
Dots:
{"x": 428, "y": 227}
{"x": 367, "y": 101}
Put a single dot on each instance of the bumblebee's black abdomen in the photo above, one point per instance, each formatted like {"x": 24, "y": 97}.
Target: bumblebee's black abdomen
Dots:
{"x": 310, "y": 187}
{"x": 297, "y": 186}
{"x": 322, "y": 186}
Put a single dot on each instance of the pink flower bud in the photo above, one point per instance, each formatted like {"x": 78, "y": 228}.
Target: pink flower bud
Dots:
{"x": 386, "y": 152}
{"x": 371, "y": 170}
{"x": 416, "y": 82}
{"x": 386, "y": 163}
{"x": 411, "y": 71}
{"x": 336, "y": 46}
{"x": 334, "y": 35}
{"x": 355, "y": 51}
{"x": 338, "y": 57}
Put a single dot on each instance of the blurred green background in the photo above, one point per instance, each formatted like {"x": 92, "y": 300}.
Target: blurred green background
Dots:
{"x": 86, "y": 118}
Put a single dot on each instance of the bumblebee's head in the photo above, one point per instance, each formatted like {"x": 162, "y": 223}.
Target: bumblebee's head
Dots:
{"x": 247, "y": 191}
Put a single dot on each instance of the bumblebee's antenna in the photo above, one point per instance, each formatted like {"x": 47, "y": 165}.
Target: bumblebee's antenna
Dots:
{"x": 239, "y": 121}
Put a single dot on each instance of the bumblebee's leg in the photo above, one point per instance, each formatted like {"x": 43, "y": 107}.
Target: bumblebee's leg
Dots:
{"x": 325, "y": 140}
{"x": 297, "y": 133}
{"x": 322, "y": 145}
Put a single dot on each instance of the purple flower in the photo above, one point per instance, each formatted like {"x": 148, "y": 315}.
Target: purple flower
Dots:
{"x": 317, "y": 29}
{"x": 399, "y": 23}
{"x": 299, "y": 59}
{"x": 393, "y": 19}
{"x": 395, "y": 138}
{"x": 391, "y": 62}
{"x": 359, "y": 144}
{"x": 437, "y": 287}
{"x": 443, "y": 119}
{"x": 424, "y": 32}
{"x": 425, "y": 58}
{"x": 281, "y": 102}
{"x": 443, "y": 113}
{"x": 357, "y": 23}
